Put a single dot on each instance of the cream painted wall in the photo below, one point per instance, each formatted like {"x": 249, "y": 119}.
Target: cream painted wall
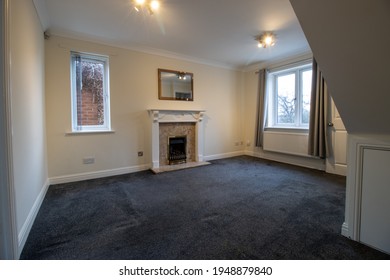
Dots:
{"x": 133, "y": 89}
{"x": 27, "y": 113}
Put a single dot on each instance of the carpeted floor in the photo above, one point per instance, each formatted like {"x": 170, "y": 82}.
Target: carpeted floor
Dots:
{"x": 237, "y": 208}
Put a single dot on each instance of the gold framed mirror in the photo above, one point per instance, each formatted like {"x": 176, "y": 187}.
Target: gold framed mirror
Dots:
{"x": 175, "y": 85}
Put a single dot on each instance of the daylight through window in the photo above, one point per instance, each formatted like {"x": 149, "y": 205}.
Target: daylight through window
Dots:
{"x": 289, "y": 97}
{"x": 90, "y": 96}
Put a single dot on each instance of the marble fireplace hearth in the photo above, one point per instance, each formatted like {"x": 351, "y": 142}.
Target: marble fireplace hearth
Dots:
{"x": 168, "y": 123}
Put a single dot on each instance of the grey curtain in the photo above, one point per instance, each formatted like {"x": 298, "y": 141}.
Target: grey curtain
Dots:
{"x": 318, "y": 114}
{"x": 261, "y": 107}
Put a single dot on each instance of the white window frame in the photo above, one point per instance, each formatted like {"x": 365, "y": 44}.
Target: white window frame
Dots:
{"x": 272, "y": 97}
{"x": 106, "y": 93}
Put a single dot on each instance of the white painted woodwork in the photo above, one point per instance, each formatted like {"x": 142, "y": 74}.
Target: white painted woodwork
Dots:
{"x": 8, "y": 236}
{"x": 173, "y": 116}
{"x": 336, "y": 162}
{"x": 375, "y": 199}
{"x": 368, "y": 195}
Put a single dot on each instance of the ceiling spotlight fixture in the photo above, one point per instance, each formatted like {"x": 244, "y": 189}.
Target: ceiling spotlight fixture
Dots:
{"x": 151, "y": 5}
{"x": 267, "y": 39}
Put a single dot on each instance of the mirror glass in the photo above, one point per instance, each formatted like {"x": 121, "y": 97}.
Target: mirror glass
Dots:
{"x": 175, "y": 85}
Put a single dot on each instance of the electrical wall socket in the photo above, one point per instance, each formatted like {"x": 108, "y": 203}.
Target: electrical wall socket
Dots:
{"x": 140, "y": 154}
{"x": 89, "y": 160}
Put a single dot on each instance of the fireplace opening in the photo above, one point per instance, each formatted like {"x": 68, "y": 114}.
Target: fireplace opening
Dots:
{"x": 177, "y": 149}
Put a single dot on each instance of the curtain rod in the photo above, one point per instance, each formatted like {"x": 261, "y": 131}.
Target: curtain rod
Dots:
{"x": 280, "y": 67}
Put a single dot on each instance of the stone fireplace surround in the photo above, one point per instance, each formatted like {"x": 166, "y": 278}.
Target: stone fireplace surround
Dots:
{"x": 173, "y": 122}
{"x": 168, "y": 130}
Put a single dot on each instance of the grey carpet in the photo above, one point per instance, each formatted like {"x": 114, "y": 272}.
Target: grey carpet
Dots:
{"x": 237, "y": 208}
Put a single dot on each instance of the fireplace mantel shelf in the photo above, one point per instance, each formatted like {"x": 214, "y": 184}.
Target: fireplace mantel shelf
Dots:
{"x": 176, "y": 110}
{"x": 173, "y": 115}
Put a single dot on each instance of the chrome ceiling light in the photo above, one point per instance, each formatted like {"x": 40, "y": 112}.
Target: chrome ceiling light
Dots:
{"x": 151, "y": 5}
{"x": 267, "y": 39}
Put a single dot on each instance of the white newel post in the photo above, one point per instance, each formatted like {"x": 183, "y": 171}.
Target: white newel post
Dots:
{"x": 174, "y": 116}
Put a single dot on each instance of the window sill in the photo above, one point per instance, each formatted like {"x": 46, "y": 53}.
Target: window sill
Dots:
{"x": 86, "y": 132}
{"x": 288, "y": 129}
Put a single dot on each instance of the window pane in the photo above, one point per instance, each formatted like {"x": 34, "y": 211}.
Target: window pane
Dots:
{"x": 286, "y": 99}
{"x": 90, "y": 93}
{"x": 306, "y": 94}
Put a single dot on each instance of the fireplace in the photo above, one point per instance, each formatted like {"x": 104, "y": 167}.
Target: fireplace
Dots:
{"x": 180, "y": 134}
{"x": 177, "y": 152}
{"x": 178, "y": 123}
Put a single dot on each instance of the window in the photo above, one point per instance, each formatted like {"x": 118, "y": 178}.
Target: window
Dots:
{"x": 289, "y": 92}
{"x": 90, "y": 93}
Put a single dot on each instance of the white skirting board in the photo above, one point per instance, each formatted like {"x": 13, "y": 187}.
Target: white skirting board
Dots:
{"x": 225, "y": 155}
{"x": 97, "y": 174}
{"x": 25, "y": 230}
{"x": 307, "y": 162}
{"x": 345, "y": 230}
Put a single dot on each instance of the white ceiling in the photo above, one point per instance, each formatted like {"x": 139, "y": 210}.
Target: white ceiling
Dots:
{"x": 217, "y": 32}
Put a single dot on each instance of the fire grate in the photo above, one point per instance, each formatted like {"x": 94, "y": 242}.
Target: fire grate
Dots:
{"x": 177, "y": 149}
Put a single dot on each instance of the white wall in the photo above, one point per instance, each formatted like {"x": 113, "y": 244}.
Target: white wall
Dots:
{"x": 133, "y": 89}
{"x": 349, "y": 42}
{"x": 27, "y": 113}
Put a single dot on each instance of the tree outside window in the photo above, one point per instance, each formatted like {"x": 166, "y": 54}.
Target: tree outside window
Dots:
{"x": 289, "y": 96}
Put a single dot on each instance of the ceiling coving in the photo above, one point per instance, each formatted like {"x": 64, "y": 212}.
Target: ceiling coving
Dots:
{"x": 215, "y": 32}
